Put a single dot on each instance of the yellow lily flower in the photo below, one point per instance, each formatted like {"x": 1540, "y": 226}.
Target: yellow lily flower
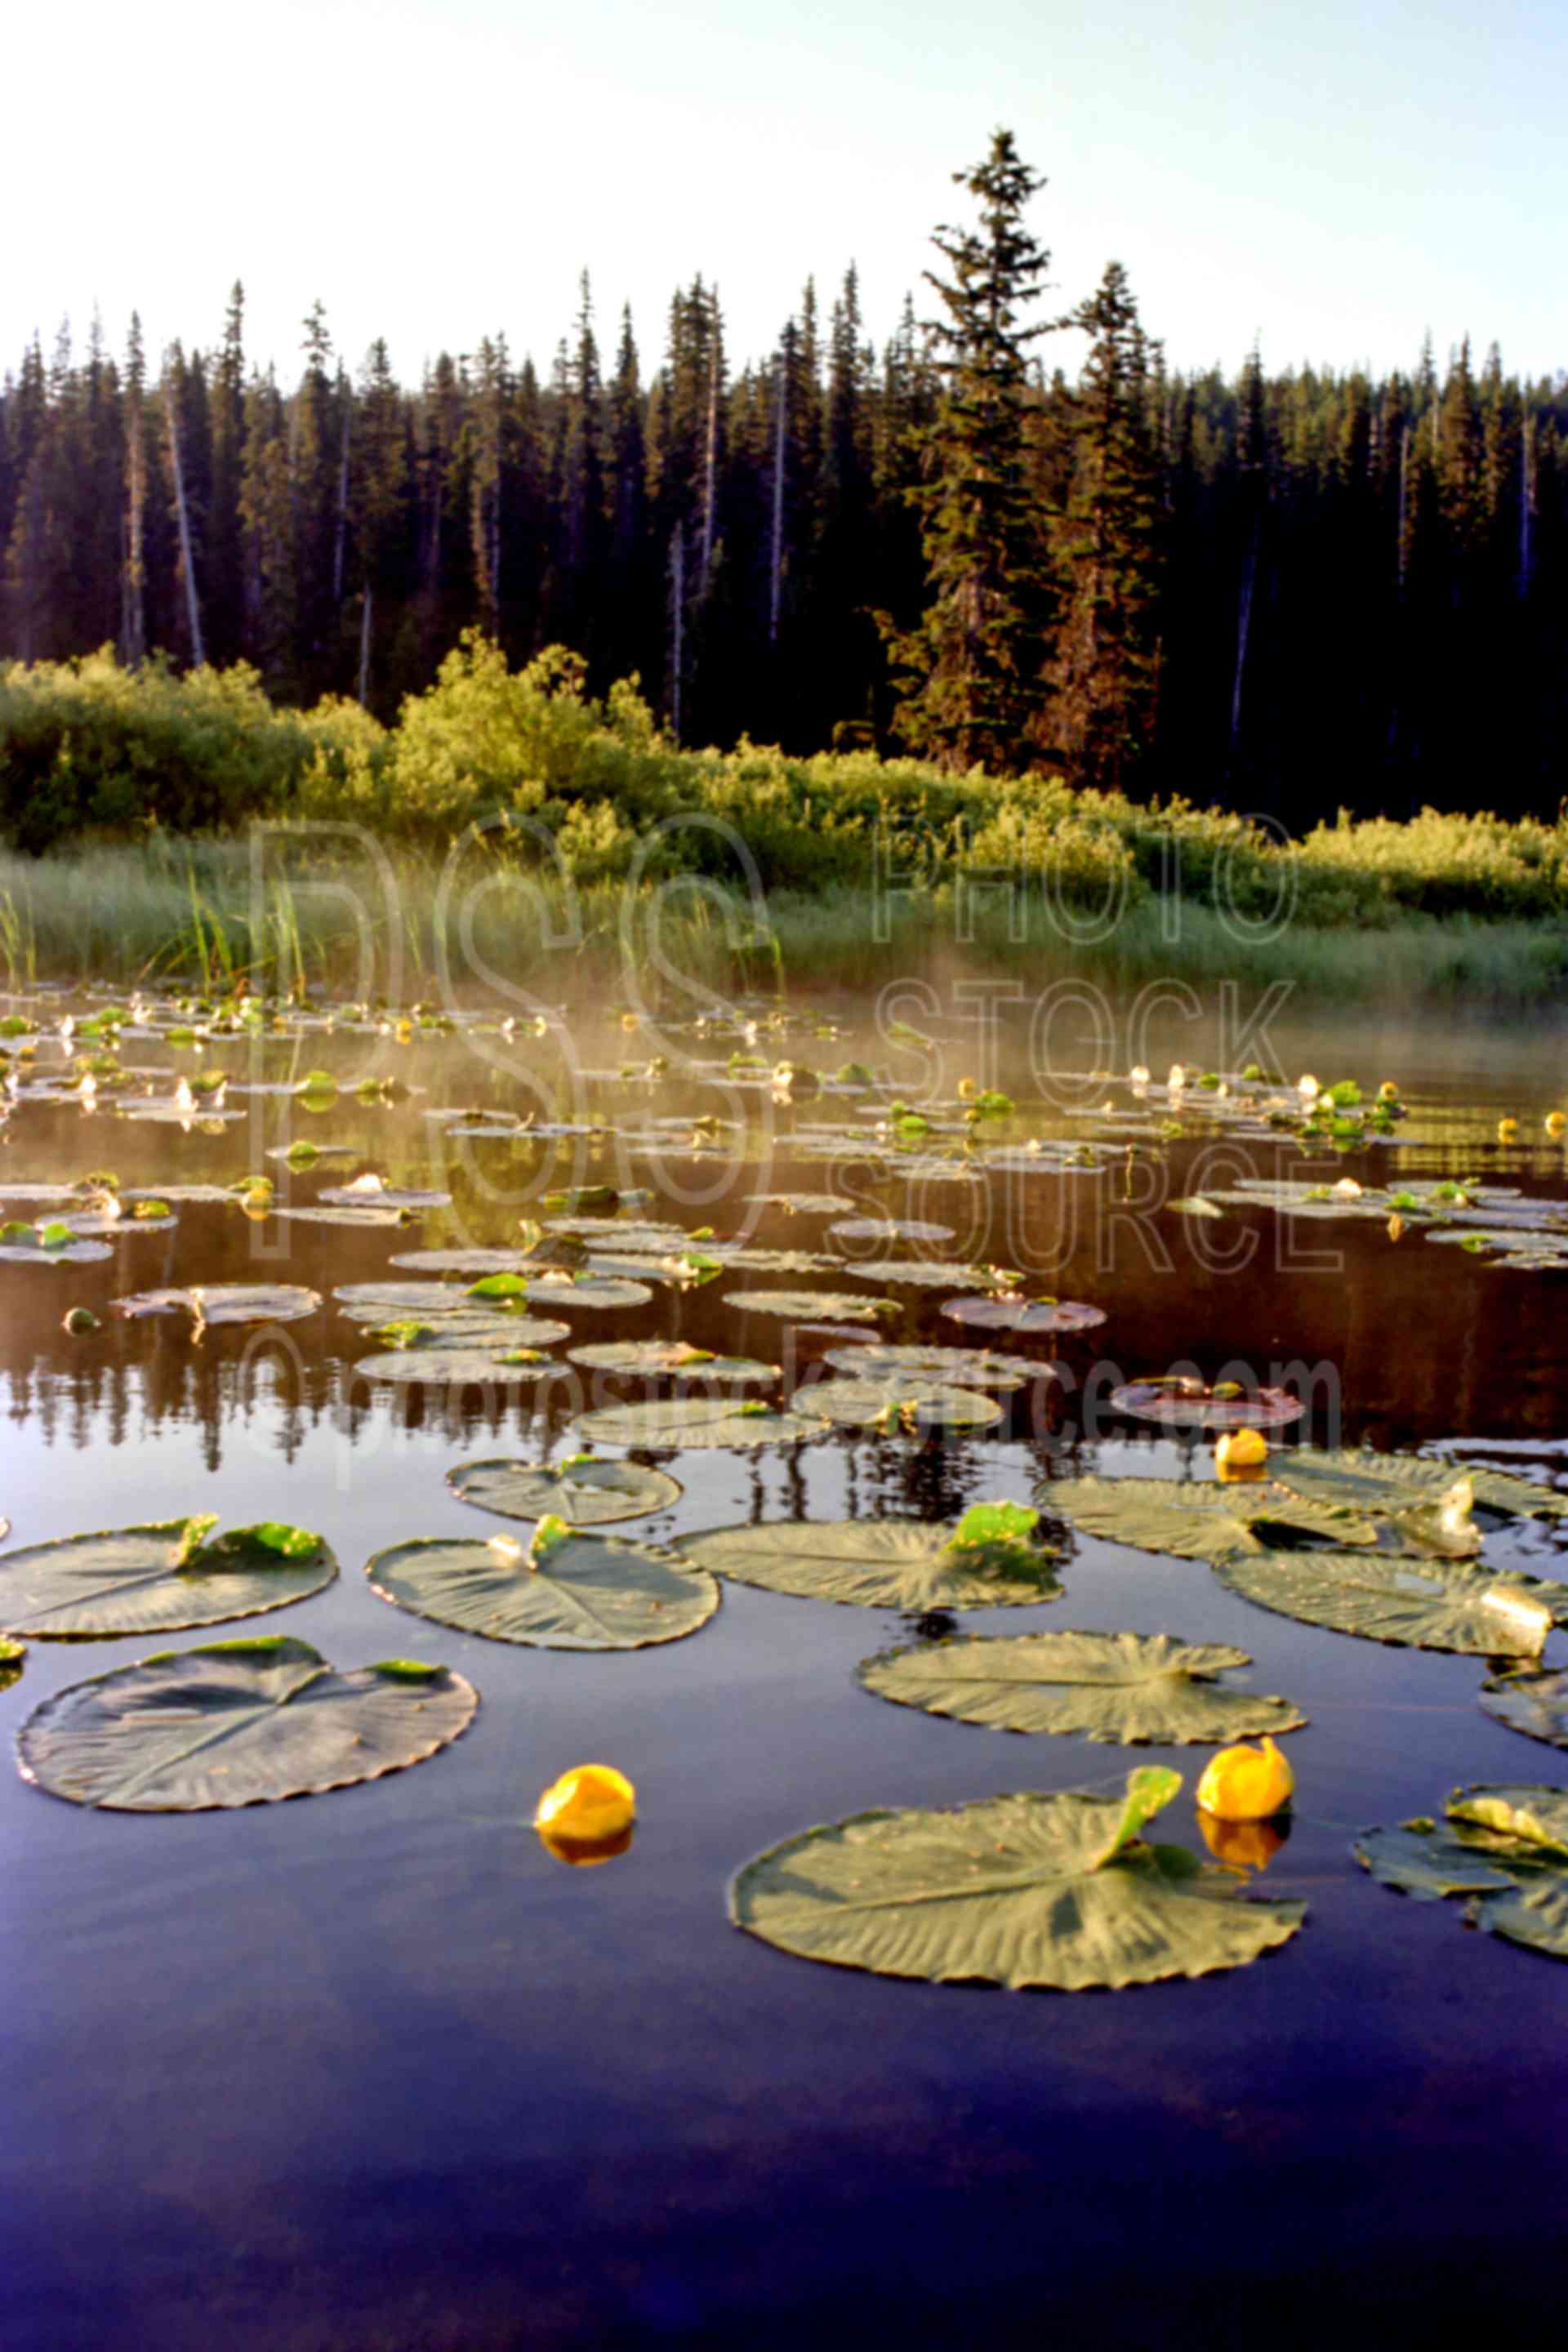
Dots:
{"x": 1246, "y": 1784}
{"x": 592, "y": 1802}
{"x": 1240, "y": 1449}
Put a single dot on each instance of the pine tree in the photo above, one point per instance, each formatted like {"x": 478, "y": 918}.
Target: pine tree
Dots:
{"x": 975, "y": 666}
{"x": 1110, "y": 551}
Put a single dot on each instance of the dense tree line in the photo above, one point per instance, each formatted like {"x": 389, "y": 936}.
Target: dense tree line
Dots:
{"x": 1289, "y": 591}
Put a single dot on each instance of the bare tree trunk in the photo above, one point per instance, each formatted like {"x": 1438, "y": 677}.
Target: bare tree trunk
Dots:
{"x": 1526, "y": 500}
{"x": 1404, "y": 494}
{"x": 1243, "y": 626}
{"x": 780, "y": 392}
{"x": 677, "y": 623}
{"x": 193, "y": 604}
{"x": 340, "y": 535}
{"x": 710, "y": 459}
{"x": 365, "y": 648}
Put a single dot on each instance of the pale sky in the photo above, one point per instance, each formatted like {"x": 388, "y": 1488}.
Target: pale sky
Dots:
{"x": 1335, "y": 180}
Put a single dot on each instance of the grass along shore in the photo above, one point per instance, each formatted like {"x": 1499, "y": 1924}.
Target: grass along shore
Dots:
{"x": 406, "y": 923}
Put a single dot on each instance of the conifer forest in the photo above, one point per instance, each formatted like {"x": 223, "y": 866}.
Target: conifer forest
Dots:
{"x": 1010, "y": 533}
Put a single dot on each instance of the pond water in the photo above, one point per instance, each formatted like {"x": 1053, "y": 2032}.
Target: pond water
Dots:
{"x": 374, "y": 2068}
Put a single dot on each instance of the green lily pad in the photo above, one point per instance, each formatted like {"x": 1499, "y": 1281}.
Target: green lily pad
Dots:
{"x": 877, "y": 1564}
{"x": 699, "y": 1422}
{"x": 1014, "y": 1890}
{"x": 887, "y": 1229}
{"x": 53, "y": 1244}
{"x": 237, "y": 1723}
{"x": 225, "y": 1302}
{"x": 1534, "y": 1703}
{"x": 501, "y": 1363}
{"x": 1189, "y": 1405}
{"x": 1423, "y": 1604}
{"x": 1504, "y": 1848}
{"x": 1201, "y": 1521}
{"x": 1024, "y": 1317}
{"x": 160, "y": 1577}
{"x": 1120, "y": 1688}
{"x": 1394, "y": 1482}
{"x": 969, "y": 1368}
{"x": 585, "y": 1491}
{"x": 572, "y": 1591}
{"x": 674, "y": 1357}
{"x": 811, "y": 1305}
{"x": 911, "y": 1406}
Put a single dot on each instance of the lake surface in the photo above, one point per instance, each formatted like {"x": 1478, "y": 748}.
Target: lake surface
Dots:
{"x": 373, "y": 2069}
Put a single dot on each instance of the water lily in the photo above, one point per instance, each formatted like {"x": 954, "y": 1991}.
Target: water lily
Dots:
{"x": 1240, "y": 1449}
{"x": 1246, "y": 1784}
{"x": 591, "y": 1801}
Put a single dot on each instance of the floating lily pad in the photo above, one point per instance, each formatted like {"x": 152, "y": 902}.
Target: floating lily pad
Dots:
{"x": 877, "y": 1564}
{"x": 237, "y": 1723}
{"x": 160, "y": 1577}
{"x": 568, "y": 1590}
{"x": 1504, "y": 1848}
{"x": 362, "y": 1195}
{"x": 1535, "y": 1704}
{"x": 811, "y": 1305}
{"x": 1026, "y": 1318}
{"x": 1423, "y": 1604}
{"x": 1014, "y": 1890}
{"x": 585, "y": 1492}
{"x": 674, "y": 1357}
{"x": 888, "y": 1229}
{"x": 917, "y": 1407}
{"x": 559, "y": 1287}
{"x": 1189, "y": 1404}
{"x": 225, "y": 1302}
{"x": 1120, "y": 1688}
{"x": 53, "y": 1242}
{"x": 1394, "y": 1482}
{"x": 970, "y": 1368}
{"x": 501, "y": 1363}
{"x": 699, "y": 1422}
{"x": 1192, "y": 1521}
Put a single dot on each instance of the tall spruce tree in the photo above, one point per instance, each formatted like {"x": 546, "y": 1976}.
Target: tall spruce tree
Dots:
{"x": 975, "y": 666}
{"x": 1109, "y": 548}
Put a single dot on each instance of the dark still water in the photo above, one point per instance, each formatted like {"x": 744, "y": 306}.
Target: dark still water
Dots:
{"x": 373, "y": 2069}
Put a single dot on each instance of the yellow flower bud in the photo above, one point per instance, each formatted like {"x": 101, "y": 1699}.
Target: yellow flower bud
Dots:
{"x": 1388, "y": 1091}
{"x": 1240, "y": 1449}
{"x": 591, "y": 1801}
{"x": 1555, "y": 1123}
{"x": 1508, "y": 1131}
{"x": 1246, "y": 1784}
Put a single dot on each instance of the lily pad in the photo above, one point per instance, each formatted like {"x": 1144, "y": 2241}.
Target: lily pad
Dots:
{"x": 1504, "y": 1848}
{"x": 160, "y": 1577}
{"x": 1423, "y": 1604}
{"x": 507, "y": 1363}
{"x": 699, "y": 1422}
{"x": 1119, "y": 1688}
{"x": 970, "y": 1368}
{"x": 569, "y": 1589}
{"x": 53, "y": 1243}
{"x": 1026, "y": 1318}
{"x": 1394, "y": 1482}
{"x": 225, "y": 1302}
{"x": 811, "y": 1305}
{"x": 1189, "y": 1405}
{"x": 877, "y": 1564}
{"x": 1014, "y": 1890}
{"x": 915, "y": 1407}
{"x": 673, "y": 1358}
{"x": 237, "y": 1723}
{"x": 585, "y": 1491}
{"x": 1192, "y": 1521}
{"x": 1533, "y": 1703}
{"x": 887, "y": 1229}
